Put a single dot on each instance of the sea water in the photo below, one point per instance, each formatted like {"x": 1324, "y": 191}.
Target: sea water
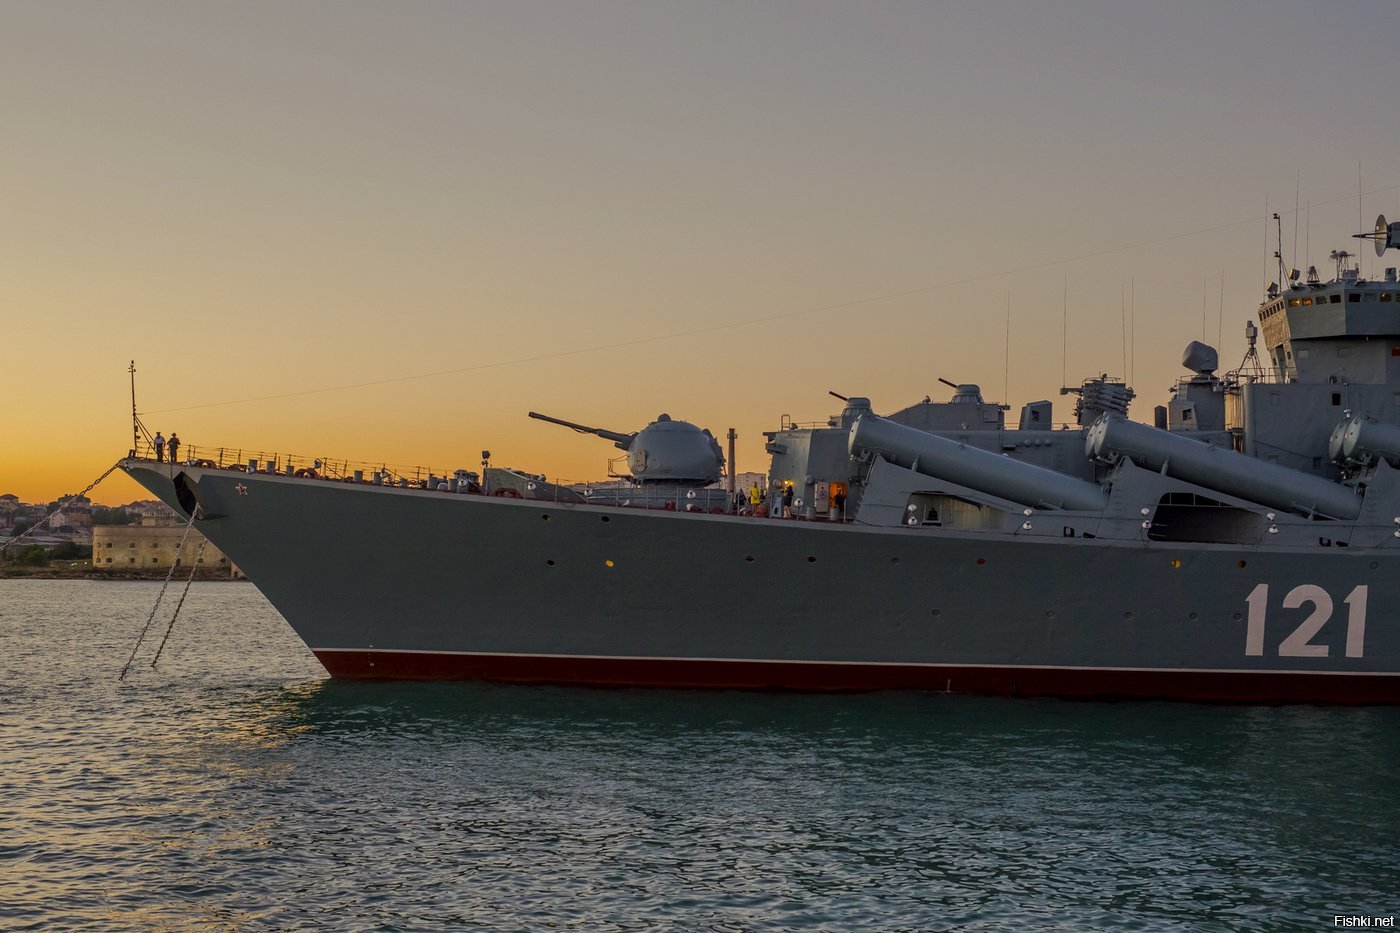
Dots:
{"x": 234, "y": 786}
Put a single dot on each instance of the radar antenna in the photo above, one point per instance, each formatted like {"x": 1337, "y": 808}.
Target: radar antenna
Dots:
{"x": 1250, "y": 368}
{"x": 1385, "y": 236}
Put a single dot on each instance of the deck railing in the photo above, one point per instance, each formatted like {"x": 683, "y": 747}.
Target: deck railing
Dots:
{"x": 594, "y": 492}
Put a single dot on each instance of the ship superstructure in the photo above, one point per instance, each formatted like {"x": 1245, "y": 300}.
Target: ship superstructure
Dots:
{"x": 1245, "y": 545}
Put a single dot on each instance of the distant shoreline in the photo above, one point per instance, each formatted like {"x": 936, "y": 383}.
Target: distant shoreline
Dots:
{"x": 53, "y": 572}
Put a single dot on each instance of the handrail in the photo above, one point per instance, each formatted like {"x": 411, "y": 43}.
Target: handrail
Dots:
{"x": 623, "y": 495}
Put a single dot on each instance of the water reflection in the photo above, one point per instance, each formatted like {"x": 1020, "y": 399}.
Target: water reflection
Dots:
{"x": 236, "y": 787}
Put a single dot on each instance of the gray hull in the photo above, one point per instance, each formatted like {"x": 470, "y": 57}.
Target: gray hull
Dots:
{"x": 402, "y": 583}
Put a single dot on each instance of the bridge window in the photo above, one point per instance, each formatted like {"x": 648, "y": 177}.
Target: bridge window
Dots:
{"x": 1354, "y": 298}
{"x": 1385, "y": 296}
{"x": 1307, "y": 302}
{"x": 1335, "y": 299}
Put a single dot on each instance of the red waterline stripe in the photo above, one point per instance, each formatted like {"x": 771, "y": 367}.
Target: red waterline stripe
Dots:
{"x": 1270, "y": 686}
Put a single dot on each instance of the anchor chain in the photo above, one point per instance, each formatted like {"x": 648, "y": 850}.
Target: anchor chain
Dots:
{"x": 189, "y": 526}
{"x": 194, "y": 566}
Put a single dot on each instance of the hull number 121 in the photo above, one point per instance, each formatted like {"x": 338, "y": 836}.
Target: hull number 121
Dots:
{"x": 1299, "y": 643}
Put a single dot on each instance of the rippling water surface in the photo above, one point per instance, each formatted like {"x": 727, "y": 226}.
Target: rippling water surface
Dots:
{"x": 235, "y": 787}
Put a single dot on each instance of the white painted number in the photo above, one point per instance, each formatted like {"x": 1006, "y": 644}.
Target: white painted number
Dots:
{"x": 1356, "y": 622}
{"x": 1258, "y": 600}
{"x": 1299, "y": 644}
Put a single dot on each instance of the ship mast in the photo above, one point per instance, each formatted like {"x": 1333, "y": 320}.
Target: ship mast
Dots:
{"x": 135, "y": 421}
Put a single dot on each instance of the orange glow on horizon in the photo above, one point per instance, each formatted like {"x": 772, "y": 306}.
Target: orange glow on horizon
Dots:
{"x": 613, "y": 211}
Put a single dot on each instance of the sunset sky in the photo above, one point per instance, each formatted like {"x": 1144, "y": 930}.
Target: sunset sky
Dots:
{"x": 386, "y": 231}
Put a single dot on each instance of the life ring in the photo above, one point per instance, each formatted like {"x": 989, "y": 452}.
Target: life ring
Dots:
{"x": 206, "y": 464}
{"x": 508, "y": 493}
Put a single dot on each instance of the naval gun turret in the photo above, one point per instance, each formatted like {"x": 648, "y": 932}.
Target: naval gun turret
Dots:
{"x": 675, "y": 453}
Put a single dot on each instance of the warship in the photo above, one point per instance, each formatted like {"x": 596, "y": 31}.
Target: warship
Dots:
{"x": 1243, "y": 546}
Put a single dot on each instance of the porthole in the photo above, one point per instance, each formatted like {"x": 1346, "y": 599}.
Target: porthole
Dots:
{"x": 549, "y": 563}
{"x": 607, "y": 518}
{"x": 545, "y": 516}
{"x": 811, "y": 560}
{"x": 748, "y": 558}
{"x": 981, "y": 562}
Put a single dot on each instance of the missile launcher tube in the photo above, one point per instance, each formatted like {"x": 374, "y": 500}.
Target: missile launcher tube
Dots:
{"x": 1217, "y": 468}
{"x": 973, "y": 467}
{"x": 1359, "y": 440}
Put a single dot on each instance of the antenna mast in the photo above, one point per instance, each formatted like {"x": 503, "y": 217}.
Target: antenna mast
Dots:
{"x": 1064, "y": 333}
{"x": 1297, "y": 193}
{"x": 1123, "y": 324}
{"x": 1205, "y": 290}
{"x": 135, "y": 421}
{"x": 1006, "y": 365}
{"x": 1132, "y": 318}
{"x": 1220, "y": 317}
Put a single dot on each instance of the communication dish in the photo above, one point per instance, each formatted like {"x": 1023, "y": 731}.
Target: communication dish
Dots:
{"x": 1386, "y": 236}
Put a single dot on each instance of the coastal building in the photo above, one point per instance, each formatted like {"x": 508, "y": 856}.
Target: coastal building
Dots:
{"x": 153, "y": 545}
{"x": 145, "y": 508}
{"x": 77, "y": 512}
